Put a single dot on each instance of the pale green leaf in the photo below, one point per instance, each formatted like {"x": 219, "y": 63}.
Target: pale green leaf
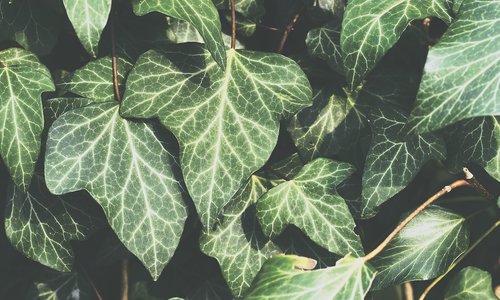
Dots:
{"x": 371, "y": 27}
{"x": 125, "y": 168}
{"x": 462, "y": 72}
{"x": 310, "y": 202}
{"x": 226, "y": 121}
{"x": 22, "y": 79}
{"x": 281, "y": 278}
{"x": 202, "y": 14}
{"x": 424, "y": 249}
{"x": 470, "y": 283}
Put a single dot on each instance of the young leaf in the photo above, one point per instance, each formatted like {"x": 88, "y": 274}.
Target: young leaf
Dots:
{"x": 461, "y": 73}
{"x": 226, "y": 121}
{"x": 238, "y": 243}
{"x": 41, "y": 225}
{"x": 281, "y": 278}
{"x": 394, "y": 159}
{"x": 470, "y": 284}
{"x": 23, "y": 79}
{"x": 89, "y": 17}
{"x": 201, "y": 13}
{"x": 253, "y": 9}
{"x": 371, "y": 27}
{"x": 310, "y": 202}
{"x": 125, "y": 168}
{"x": 324, "y": 43}
{"x": 54, "y": 286}
{"x": 424, "y": 249}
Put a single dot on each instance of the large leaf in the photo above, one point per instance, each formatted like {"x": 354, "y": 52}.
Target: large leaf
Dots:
{"x": 461, "y": 75}
{"x": 226, "y": 121}
{"x": 310, "y": 202}
{"x": 41, "y": 225}
{"x": 23, "y": 79}
{"x": 89, "y": 17}
{"x": 201, "y": 13}
{"x": 30, "y": 23}
{"x": 424, "y": 249}
{"x": 238, "y": 243}
{"x": 476, "y": 140}
{"x": 281, "y": 277}
{"x": 126, "y": 169}
{"x": 394, "y": 159}
{"x": 470, "y": 284}
{"x": 371, "y": 27}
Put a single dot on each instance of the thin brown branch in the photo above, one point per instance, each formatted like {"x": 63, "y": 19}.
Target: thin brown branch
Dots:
{"x": 125, "y": 278}
{"x": 233, "y": 25}
{"x": 289, "y": 28}
{"x": 89, "y": 280}
{"x": 114, "y": 62}
{"x": 408, "y": 290}
{"x": 477, "y": 185}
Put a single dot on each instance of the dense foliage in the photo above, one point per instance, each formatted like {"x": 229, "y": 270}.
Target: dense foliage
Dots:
{"x": 249, "y": 149}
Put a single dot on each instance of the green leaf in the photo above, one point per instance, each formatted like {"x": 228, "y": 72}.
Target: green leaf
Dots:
{"x": 424, "y": 249}
{"x": 54, "y": 286}
{"x": 23, "y": 79}
{"x": 32, "y": 24}
{"x": 56, "y": 107}
{"x": 95, "y": 80}
{"x": 394, "y": 159}
{"x": 238, "y": 243}
{"x": 476, "y": 140}
{"x": 461, "y": 73}
{"x": 281, "y": 277}
{"x": 310, "y": 202}
{"x": 470, "y": 283}
{"x": 324, "y": 43}
{"x": 371, "y": 27}
{"x": 89, "y": 17}
{"x": 41, "y": 225}
{"x": 225, "y": 121}
{"x": 125, "y": 168}
{"x": 202, "y": 14}
{"x": 253, "y": 9}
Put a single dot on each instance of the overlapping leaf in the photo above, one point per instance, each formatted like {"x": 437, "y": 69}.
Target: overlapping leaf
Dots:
{"x": 126, "y": 169}
{"x": 371, "y": 27}
{"x": 23, "y": 79}
{"x": 41, "y": 225}
{"x": 324, "y": 43}
{"x": 424, "y": 249}
{"x": 281, "y": 277}
{"x": 461, "y": 75}
{"x": 253, "y": 9}
{"x": 53, "y": 286}
{"x": 470, "y": 283}
{"x": 202, "y": 14}
{"x": 226, "y": 121}
{"x": 310, "y": 202}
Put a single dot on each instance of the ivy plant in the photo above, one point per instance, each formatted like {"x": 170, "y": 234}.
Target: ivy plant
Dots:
{"x": 249, "y": 149}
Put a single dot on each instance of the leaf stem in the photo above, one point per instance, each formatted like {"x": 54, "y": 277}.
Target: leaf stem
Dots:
{"x": 233, "y": 25}
{"x": 89, "y": 280}
{"x": 457, "y": 261}
{"x": 408, "y": 290}
{"x": 114, "y": 62}
{"x": 125, "y": 278}
{"x": 287, "y": 30}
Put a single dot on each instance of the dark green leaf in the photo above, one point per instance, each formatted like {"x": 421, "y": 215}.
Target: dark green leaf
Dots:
{"x": 470, "y": 284}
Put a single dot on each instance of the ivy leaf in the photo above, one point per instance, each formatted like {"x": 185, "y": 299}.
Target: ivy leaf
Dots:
{"x": 476, "y": 140}
{"x": 23, "y": 79}
{"x": 461, "y": 73}
{"x": 201, "y": 13}
{"x": 89, "y": 17}
{"x": 238, "y": 243}
{"x": 225, "y": 121}
{"x": 95, "y": 80}
{"x": 324, "y": 43}
{"x": 60, "y": 286}
{"x": 394, "y": 159}
{"x": 41, "y": 225}
{"x": 126, "y": 169}
{"x": 310, "y": 202}
{"x": 253, "y": 9}
{"x": 424, "y": 249}
{"x": 370, "y": 28}
{"x": 470, "y": 284}
{"x": 56, "y": 107}
{"x": 281, "y": 277}
{"x": 32, "y": 24}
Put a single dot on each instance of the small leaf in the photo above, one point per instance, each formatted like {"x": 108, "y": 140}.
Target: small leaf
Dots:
{"x": 282, "y": 278}
{"x": 202, "y": 14}
{"x": 461, "y": 73}
{"x": 310, "y": 202}
{"x": 424, "y": 249}
{"x": 324, "y": 43}
{"x": 89, "y": 17}
{"x": 56, "y": 107}
{"x": 253, "y": 9}
{"x": 54, "y": 286}
{"x": 470, "y": 283}
{"x": 371, "y": 27}
{"x": 226, "y": 121}
{"x": 23, "y": 79}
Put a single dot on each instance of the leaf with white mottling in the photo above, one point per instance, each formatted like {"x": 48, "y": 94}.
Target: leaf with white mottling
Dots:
{"x": 226, "y": 121}
{"x": 470, "y": 283}
{"x": 324, "y": 43}
{"x": 23, "y": 79}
